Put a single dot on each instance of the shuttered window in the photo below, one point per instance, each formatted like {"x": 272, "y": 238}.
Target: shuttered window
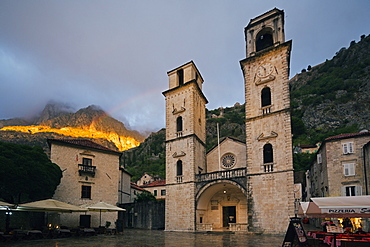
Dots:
{"x": 349, "y": 169}
{"x": 347, "y": 148}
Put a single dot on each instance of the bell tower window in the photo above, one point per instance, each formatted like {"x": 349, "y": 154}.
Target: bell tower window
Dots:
{"x": 179, "y": 124}
{"x": 268, "y": 154}
{"x": 179, "y": 168}
{"x": 264, "y": 40}
{"x": 266, "y": 97}
{"x": 180, "y": 76}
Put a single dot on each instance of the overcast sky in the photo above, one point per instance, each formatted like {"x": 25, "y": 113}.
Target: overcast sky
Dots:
{"x": 116, "y": 54}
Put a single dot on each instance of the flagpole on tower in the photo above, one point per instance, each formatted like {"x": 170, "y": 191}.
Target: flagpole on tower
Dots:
{"x": 218, "y": 146}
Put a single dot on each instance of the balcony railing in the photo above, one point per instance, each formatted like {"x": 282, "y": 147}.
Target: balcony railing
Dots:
{"x": 266, "y": 110}
{"x": 179, "y": 134}
{"x": 86, "y": 170}
{"x": 227, "y": 174}
{"x": 269, "y": 167}
{"x": 179, "y": 179}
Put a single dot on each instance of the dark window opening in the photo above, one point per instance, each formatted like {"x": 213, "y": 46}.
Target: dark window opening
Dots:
{"x": 179, "y": 168}
{"x": 87, "y": 162}
{"x": 163, "y": 192}
{"x": 350, "y": 191}
{"x": 179, "y": 124}
{"x": 268, "y": 154}
{"x": 155, "y": 193}
{"x": 266, "y": 96}
{"x": 180, "y": 76}
{"x": 86, "y": 192}
{"x": 264, "y": 41}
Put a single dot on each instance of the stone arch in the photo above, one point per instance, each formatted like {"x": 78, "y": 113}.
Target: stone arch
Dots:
{"x": 216, "y": 185}
{"x": 220, "y": 203}
{"x": 264, "y": 39}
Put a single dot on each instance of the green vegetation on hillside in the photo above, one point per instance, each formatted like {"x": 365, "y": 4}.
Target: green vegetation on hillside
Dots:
{"x": 331, "y": 94}
{"x": 148, "y": 157}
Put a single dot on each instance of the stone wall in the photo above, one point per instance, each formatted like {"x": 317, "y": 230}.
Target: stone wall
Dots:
{"x": 144, "y": 215}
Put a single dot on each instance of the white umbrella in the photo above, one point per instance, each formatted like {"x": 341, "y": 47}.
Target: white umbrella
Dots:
{"x": 103, "y": 207}
{"x": 50, "y": 205}
{"x": 5, "y": 204}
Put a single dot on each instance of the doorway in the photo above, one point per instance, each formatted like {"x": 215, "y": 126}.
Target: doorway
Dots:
{"x": 229, "y": 215}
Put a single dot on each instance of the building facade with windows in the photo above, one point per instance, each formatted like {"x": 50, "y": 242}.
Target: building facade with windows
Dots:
{"x": 157, "y": 188}
{"x": 91, "y": 173}
{"x": 246, "y": 186}
{"x": 342, "y": 167}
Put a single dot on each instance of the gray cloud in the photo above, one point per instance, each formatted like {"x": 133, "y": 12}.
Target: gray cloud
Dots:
{"x": 115, "y": 54}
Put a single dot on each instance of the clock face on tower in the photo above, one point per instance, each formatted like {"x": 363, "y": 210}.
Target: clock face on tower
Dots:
{"x": 265, "y": 70}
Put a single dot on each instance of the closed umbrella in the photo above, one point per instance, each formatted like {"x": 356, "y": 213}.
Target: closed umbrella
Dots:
{"x": 103, "y": 207}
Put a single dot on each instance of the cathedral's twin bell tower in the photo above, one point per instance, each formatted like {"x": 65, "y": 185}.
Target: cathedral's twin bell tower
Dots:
{"x": 269, "y": 165}
{"x": 268, "y": 125}
{"x": 185, "y": 144}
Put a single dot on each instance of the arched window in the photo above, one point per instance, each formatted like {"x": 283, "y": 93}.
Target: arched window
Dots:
{"x": 266, "y": 96}
{"x": 179, "y": 168}
{"x": 179, "y": 124}
{"x": 268, "y": 154}
{"x": 264, "y": 39}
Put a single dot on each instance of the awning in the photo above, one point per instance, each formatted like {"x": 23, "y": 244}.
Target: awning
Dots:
{"x": 338, "y": 207}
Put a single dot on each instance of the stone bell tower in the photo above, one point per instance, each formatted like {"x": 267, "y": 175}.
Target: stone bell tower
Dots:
{"x": 185, "y": 145}
{"x": 268, "y": 127}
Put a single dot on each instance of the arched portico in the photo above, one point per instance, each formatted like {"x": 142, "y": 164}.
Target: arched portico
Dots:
{"x": 220, "y": 203}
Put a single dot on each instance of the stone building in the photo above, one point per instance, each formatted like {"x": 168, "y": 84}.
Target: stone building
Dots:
{"x": 157, "y": 188}
{"x": 91, "y": 173}
{"x": 341, "y": 167}
{"x": 249, "y": 186}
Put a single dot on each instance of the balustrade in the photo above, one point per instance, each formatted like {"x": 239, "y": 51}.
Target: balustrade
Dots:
{"x": 227, "y": 174}
{"x": 179, "y": 179}
{"x": 266, "y": 110}
{"x": 86, "y": 170}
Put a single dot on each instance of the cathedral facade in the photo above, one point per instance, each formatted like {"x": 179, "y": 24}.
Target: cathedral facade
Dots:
{"x": 240, "y": 186}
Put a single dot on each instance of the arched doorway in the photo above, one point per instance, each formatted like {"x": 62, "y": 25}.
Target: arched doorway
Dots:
{"x": 220, "y": 203}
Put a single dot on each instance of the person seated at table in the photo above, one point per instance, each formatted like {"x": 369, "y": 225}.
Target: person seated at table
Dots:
{"x": 360, "y": 231}
{"x": 327, "y": 223}
{"x": 347, "y": 230}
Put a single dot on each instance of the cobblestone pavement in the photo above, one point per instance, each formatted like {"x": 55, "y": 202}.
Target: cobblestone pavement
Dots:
{"x": 147, "y": 238}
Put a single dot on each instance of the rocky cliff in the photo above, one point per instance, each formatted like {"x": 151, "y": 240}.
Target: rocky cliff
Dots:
{"x": 56, "y": 121}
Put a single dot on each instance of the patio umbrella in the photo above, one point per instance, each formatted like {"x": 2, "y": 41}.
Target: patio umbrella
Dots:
{"x": 103, "y": 207}
{"x": 5, "y": 204}
{"x": 50, "y": 205}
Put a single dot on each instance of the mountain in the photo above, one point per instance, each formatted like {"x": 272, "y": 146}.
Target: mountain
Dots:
{"x": 57, "y": 121}
{"x": 333, "y": 97}
{"x": 328, "y": 99}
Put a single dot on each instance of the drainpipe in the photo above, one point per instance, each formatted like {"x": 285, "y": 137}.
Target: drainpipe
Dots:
{"x": 365, "y": 172}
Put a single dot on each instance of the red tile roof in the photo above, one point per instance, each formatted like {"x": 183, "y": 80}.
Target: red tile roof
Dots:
{"x": 348, "y": 135}
{"x": 135, "y": 186}
{"x": 83, "y": 143}
{"x": 155, "y": 183}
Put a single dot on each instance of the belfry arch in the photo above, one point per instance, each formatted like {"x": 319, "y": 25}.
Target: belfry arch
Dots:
{"x": 264, "y": 39}
{"x": 220, "y": 203}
